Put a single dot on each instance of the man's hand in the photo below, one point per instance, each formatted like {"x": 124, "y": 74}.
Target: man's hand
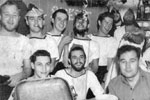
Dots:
{"x": 15, "y": 79}
{"x": 127, "y": 36}
{"x": 66, "y": 40}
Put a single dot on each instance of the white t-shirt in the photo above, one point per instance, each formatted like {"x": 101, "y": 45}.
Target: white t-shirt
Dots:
{"x": 108, "y": 48}
{"x": 82, "y": 83}
{"x": 91, "y": 49}
{"x": 13, "y": 51}
{"x": 57, "y": 38}
{"x": 46, "y": 43}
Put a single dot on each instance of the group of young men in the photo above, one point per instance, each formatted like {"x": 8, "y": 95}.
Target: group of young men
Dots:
{"x": 82, "y": 59}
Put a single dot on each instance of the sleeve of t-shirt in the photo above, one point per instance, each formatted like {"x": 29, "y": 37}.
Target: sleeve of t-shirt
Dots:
{"x": 112, "y": 49}
{"x": 94, "y": 85}
{"x": 94, "y": 47}
{"x": 146, "y": 55}
{"x": 53, "y": 48}
{"x": 27, "y": 49}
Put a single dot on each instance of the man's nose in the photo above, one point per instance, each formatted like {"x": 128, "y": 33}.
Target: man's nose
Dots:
{"x": 128, "y": 65}
{"x": 35, "y": 22}
{"x": 11, "y": 18}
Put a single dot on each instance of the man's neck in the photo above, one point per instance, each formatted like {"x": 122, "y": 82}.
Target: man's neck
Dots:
{"x": 129, "y": 28}
{"x": 101, "y": 34}
{"x": 118, "y": 23}
{"x": 85, "y": 37}
{"x": 4, "y": 32}
{"x": 76, "y": 73}
{"x": 55, "y": 32}
{"x": 39, "y": 34}
{"x": 132, "y": 81}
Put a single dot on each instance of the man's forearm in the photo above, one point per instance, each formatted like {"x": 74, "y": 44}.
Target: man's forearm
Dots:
{"x": 26, "y": 73}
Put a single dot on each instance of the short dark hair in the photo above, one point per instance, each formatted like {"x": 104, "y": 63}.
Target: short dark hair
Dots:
{"x": 127, "y": 48}
{"x": 39, "y": 53}
{"x": 61, "y": 11}
{"x": 102, "y": 16}
{"x": 76, "y": 48}
{"x": 8, "y": 2}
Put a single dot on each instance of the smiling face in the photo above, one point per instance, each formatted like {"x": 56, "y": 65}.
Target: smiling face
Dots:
{"x": 10, "y": 17}
{"x": 129, "y": 62}
{"x": 42, "y": 66}
{"x": 60, "y": 21}
{"x": 81, "y": 24}
{"x": 106, "y": 25}
{"x": 77, "y": 60}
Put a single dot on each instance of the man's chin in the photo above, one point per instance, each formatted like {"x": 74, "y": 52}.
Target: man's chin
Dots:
{"x": 10, "y": 29}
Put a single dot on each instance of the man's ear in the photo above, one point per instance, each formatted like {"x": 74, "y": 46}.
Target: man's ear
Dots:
{"x": 32, "y": 65}
{"x": 88, "y": 26}
{"x": 27, "y": 21}
{"x": 52, "y": 20}
{"x": 68, "y": 61}
{"x": 99, "y": 23}
{"x": 44, "y": 22}
{"x": 0, "y": 17}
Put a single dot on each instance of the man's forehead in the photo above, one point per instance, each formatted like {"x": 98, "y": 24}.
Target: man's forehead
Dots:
{"x": 9, "y": 7}
{"x": 129, "y": 54}
{"x": 77, "y": 52}
{"x": 35, "y": 16}
{"x": 61, "y": 15}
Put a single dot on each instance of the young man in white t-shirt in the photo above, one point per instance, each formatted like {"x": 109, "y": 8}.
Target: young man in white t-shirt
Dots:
{"x": 15, "y": 49}
{"x": 107, "y": 44}
{"x": 91, "y": 48}
{"x": 59, "y": 23}
{"x": 41, "y": 65}
{"x": 35, "y": 19}
{"x": 80, "y": 79}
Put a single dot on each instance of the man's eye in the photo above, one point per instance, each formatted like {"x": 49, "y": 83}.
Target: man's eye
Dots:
{"x": 39, "y": 64}
{"x": 123, "y": 62}
{"x": 30, "y": 18}
{"x": 133, "y": 60}
{"x": 48, "y": 64}
{"x": 39, "y": 18}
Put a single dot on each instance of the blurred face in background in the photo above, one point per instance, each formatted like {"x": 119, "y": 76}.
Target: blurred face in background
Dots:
{"x": 129, "y": 17}
{"x": 81, "y": 26}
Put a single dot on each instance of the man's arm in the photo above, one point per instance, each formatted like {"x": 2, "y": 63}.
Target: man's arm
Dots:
{"x": 136, "y": 37}
{"x": 26, "y": 72}
{"x": 94, "y": 65}
{"x": 65, "y": 40}
{"x": 94, "y": 85}
{"x": 53, "y": 63}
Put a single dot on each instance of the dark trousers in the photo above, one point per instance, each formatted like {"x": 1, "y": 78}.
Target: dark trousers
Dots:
{"x": 58, "y": 67}
{"x": 5, "y": 91}
{"x": 102, "y": 70}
